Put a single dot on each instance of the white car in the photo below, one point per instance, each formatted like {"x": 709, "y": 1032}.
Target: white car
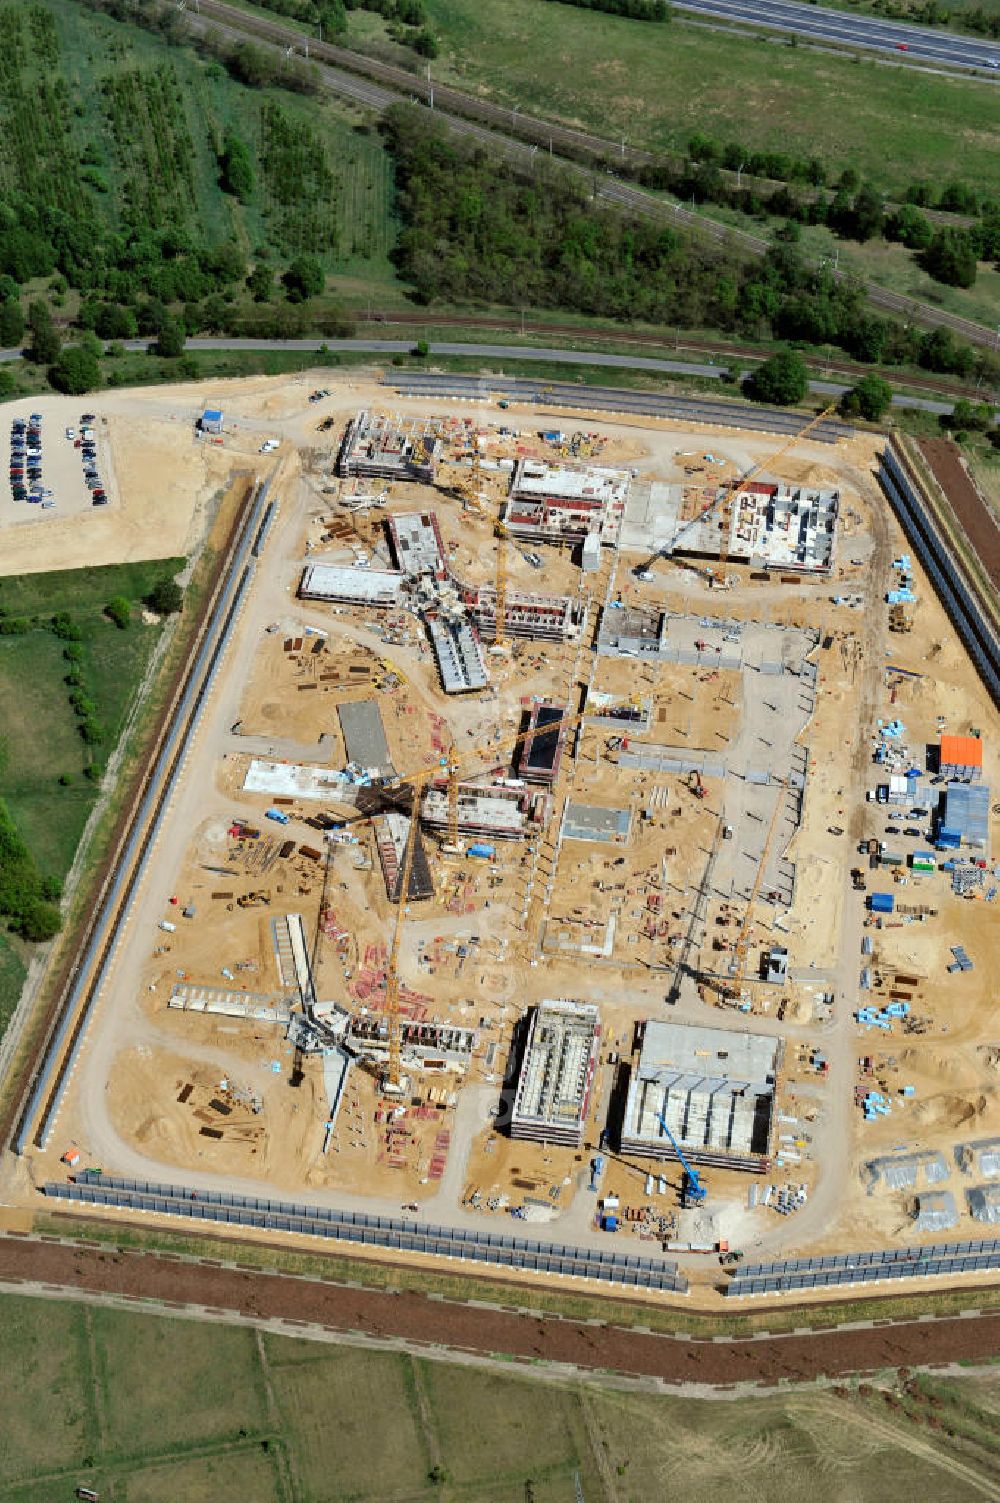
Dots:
{"x": 269, "y": 444}
{"x": 71, "y": 433}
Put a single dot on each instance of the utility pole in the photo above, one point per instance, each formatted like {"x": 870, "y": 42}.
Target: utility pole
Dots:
{"x": 739, "y": 174}
{"x": 430, "y": 88}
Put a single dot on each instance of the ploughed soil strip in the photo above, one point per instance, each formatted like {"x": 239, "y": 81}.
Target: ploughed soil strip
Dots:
{"x": 413, "y": 1317}
{"x": 944, "y": 458}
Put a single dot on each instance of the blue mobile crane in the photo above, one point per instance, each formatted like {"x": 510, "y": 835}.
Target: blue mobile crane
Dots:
{"x": 693, "y": 1192}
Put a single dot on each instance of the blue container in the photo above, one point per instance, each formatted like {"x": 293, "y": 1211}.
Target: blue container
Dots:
{"x": 881, "y": 902}
{"x": 481, "y": 849}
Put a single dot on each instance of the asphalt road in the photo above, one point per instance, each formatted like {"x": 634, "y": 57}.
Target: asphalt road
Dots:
{"x": 514, "y": 352}
{"x": 918, "y": 43}
{"x": 519, "y": 352}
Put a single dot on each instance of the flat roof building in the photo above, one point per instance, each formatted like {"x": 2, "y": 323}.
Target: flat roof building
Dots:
{"x": 960, "y": 758}
{"x": 459, "y": 656}
{"x": 390, "y": 448}
{"x": 416, "y": 544}
{"x": 965, "y": 808}
{"x": 631, "y": 631}
{"x": 211, "y": 420}
{"x": 555, "y": 1077}
{"x": 365, "y": 744}
{"x": 378, "y": 588}
{"x": 714, "y": 1088}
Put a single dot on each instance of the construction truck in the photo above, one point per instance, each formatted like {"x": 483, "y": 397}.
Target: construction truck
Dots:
{"x": 696, "y": 785}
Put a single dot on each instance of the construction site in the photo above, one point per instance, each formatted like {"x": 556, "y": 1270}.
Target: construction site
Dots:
{"x": 586, "y": 826}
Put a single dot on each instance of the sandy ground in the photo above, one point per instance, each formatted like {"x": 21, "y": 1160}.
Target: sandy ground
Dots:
{"x": 557, "y": 890}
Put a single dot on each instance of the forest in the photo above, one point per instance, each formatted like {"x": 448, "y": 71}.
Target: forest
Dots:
{"x": 475, "y": 228}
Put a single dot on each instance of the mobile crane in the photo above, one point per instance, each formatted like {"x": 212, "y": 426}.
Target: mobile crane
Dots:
{"x": 693, "y": 1192}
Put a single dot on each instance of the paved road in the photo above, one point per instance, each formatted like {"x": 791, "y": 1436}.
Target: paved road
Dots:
{"x": 910, "y": 43}
{"x": 353, "y": 79}
{"x": 540, "y": 353}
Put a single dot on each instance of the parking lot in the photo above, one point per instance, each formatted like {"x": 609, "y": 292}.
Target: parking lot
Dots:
{"x": 55, "y": 469}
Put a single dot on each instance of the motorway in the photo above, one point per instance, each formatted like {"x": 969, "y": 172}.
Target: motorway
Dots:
{"x": 946, "y": 49}
{"x": 353, "y": 77}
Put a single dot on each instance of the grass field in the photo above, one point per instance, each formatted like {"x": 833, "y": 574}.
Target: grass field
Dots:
{"x": 114, "y": 74}
{"x": 148, "y": 1410}
{"x": 40, "y": 741}
{"x": 659, "y": 84}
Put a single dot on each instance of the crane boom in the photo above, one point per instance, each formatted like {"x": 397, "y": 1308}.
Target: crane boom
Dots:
{"x": 730, "y": 491}
{"x": 392, "y": 983}
{"x": 694, "y": 1190}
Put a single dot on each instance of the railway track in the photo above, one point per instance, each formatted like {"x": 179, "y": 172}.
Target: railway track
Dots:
{"x": 378, "y": 85}
{"x": 721, "y": 352}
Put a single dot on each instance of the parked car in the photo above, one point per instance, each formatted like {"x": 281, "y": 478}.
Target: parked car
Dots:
{"x": 892, "y": 830}
{"x": 913, "y": 832}
{"x": 98, "y": 500}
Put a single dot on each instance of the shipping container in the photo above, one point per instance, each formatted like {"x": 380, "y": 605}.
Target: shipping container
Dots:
{"x": 278, "y": 815}
{"x": 881, "y": 902}
{"x": 481, "y": 849}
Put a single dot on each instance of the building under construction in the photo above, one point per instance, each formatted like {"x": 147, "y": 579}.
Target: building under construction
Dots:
{"x": 459, "y": 655}
{"x": 540, "y": 751}
{"x": 392, "y": 830}
{"x": 564, "y": 503}
{"x": 775, "y": 526}
{"x": 376, "y": 446}
{"x": 378, "y": 589}
{"x": 545, "y": 618}
{"x": 417, "y": 548}
{"x": 714, "y": 1088}
{"x": 632, "y": 631}
{"x": 487, "y": 812}
{"x": 556, "y": 1073}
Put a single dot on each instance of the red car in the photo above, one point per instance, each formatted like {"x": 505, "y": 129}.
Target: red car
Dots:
{"x": 902, "y": 46}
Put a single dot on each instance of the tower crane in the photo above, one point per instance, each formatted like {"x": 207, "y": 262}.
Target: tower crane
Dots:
{"x": 693, "y": 1192}
{"x": 393, "y": 1081}
{"x": 417, "y": 782}
{"x": 728, "y": 493}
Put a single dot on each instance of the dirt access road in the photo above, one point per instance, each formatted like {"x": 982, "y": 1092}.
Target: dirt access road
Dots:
{"x": 414, "y": 1317}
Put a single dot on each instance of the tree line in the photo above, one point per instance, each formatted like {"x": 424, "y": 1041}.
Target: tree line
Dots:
{"x": 479, "y": 229}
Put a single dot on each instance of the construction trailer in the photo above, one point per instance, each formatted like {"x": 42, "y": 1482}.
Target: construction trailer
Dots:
{"x": 558, "y": 1056}
{"x": 960, "y": 758}
{"x": 714, "y": 1088}
{"x": 376, "y": 446}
